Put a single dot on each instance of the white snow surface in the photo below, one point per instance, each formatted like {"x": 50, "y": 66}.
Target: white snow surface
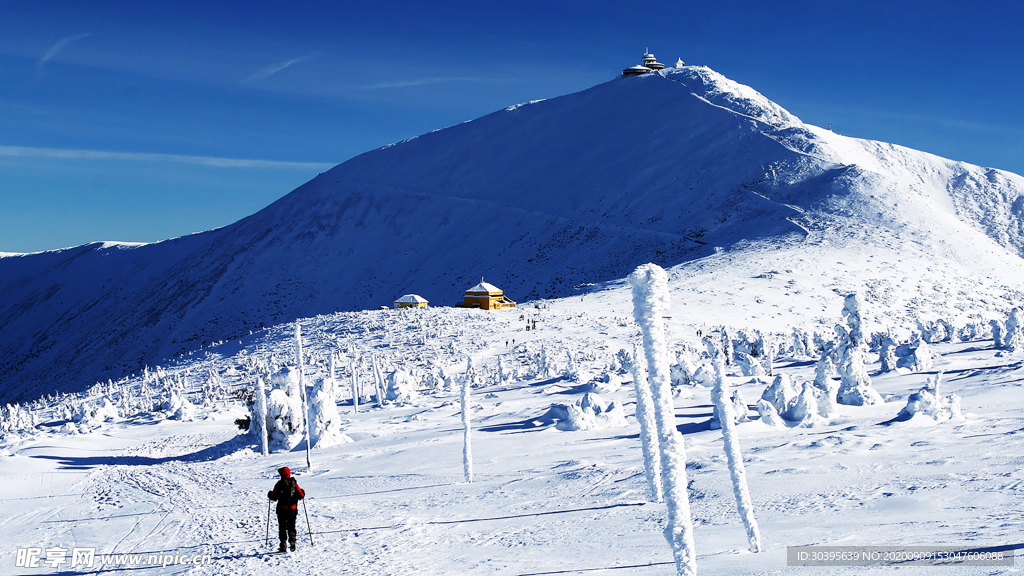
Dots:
{"x": 542, "y": 499}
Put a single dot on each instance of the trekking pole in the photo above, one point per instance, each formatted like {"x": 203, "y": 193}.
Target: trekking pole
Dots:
{"x": 268, "y": 521}
{"x": 308, "y": 529}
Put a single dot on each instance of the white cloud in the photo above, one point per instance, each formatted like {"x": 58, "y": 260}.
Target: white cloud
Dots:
{"x": 56, "y": 48}
{"x": 273, "y": 69}
{"x": 29, "y": 152}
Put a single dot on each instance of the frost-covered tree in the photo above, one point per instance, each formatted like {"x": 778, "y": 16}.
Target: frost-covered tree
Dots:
{"x": 467, "y": 427}
{"x": 805, "y": 407}
{"x": 932, "y": 332}
{"x": 798, "y": 345}
{"x": 650, "y": 305}
{"x": 852, "y": 317}
{"x": 887, "y": 353}
{"x": 178, "y": 407}
{"x": 592, "y": 412}
{"x": 300, "y": 366}
{"x": 769, "y": 415}
{"x": 997, "y": 332}
{"x": 324, "y": 420}
{"x": 355, "y": 388}
{"x": 684, "y": 368}
{"x": 824, "y": 370}
{"x": 731, "y": 444}
{"x": 258, "y": 417}
{"x": 921, "y": 358}
{"x": 930, "y": 402}
{"x": 780, "y": 394}
{"x": 378, "y": 381}
{"x": 749, "y": 366}
{"x": 726, "y": 343}
{"x": 649, "y": 443}
{"x": 89, "y": 414}
{"x": 401, "y": 387}
{"x": 1013, "y": 339}
{"x": 285, "y": 420}
{"x": 503, "y": 374}
{"x": 855, "y": 386}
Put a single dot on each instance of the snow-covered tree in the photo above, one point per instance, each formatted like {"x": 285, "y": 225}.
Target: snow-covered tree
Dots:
{"x": 798, "y": 347}
{"x": 401, "y": 387}
{"x": 737, "y": 472}
{"x": 1013, "y": 339}
{"x": 89, "y": 414}
{"x": 769, "y": 415}
{"x": 855, "y": 386}
{"x": 824, "y": 370}
{"x": 592, "y": 412}
{"x": 178, "y": 407}
{"x": 503, "y": 374}
{"x": 930, "y": 402}
{"x": 650, "y": 305}
{"x": 649, "y": 443}
{"x": 921, "y": 359}
{"x": 378, "y": 381}
{"x": 324, "y": 420}
{"x": 285, "y": 419}
{"x": 767, "y": 351}
{"x": 997, "y": 332}
{"x": 726, "y": 343}
{"x": 258, "y": 417}
{"x": 749, "y": 366}
{"x": 355, "y": 387}
{"x": 684, "y": 368}
{"x": 467, "y": 427}
{"x": 887, "y": 353}
{"x": 781, "y": 395}
{"x": 852, "y": 317}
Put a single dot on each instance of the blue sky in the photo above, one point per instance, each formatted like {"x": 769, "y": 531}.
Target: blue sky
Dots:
{"x": 139, "y": 121}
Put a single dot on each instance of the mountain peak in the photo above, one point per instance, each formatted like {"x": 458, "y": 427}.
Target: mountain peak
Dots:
{"x": 677, "y": 167}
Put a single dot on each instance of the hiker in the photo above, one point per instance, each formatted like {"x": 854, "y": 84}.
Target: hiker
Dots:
{"x": 287, "y": 494}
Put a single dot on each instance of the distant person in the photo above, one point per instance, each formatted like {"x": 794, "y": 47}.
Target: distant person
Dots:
{"x": 287, "y": 494}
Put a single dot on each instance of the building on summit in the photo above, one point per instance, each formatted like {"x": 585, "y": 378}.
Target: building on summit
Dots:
{"x": 650, "y": 64}
{"x": 487, "y": 297}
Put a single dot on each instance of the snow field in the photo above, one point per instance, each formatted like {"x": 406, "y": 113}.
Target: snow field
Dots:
{"x": 542, "y": 499}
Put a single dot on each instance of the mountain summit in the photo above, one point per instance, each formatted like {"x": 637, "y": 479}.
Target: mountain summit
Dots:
{"x": 672, "y": 166}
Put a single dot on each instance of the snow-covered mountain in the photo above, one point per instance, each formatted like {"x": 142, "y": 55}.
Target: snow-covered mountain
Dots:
{"x": 683, "y": 168}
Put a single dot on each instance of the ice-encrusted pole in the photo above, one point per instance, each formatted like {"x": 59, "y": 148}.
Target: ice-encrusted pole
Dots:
{"x": 721, "y": 398}
{"x": 302, "y": 388}
{"x": 650, "y": 306}
{"x": 378, "y": 382}
{"x": 355, "y": 388}
{"x": 467, "y": 448}
{"x": 648, "y": 428}
{"x": 334, "y": 383}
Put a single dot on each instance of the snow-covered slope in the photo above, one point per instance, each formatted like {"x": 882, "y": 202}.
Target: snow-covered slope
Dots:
{"x": 683, "y": 166}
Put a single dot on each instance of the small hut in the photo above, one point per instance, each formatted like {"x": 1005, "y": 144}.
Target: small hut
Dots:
{"x": 410, "y": 301}
{"x": 486, "y": 297}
